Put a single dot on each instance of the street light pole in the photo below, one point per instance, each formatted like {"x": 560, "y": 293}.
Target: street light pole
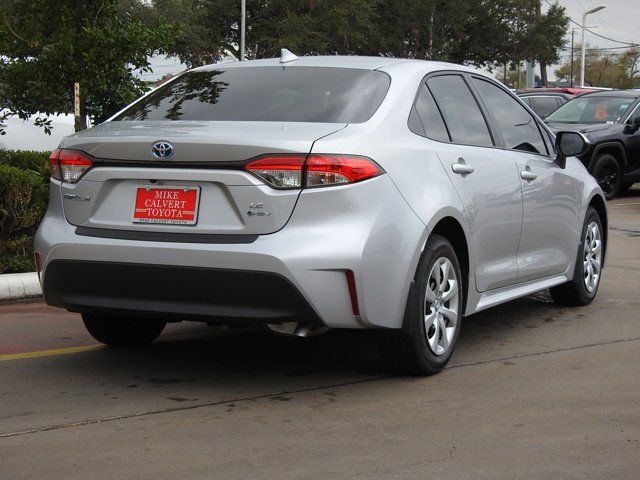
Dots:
{"x": 584, "y": 19}
{"x": 243, "y": 16}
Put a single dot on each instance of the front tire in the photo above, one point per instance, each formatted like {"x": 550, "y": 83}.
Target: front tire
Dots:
{"x": 582, "y": 289}
{"x": 122, "y": 331}
{"x": 608, "y": 174}
{"x": 433, "y": 315}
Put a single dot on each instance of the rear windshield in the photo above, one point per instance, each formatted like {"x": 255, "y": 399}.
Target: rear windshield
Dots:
{"x": 268, "y": 94}
{"x": 591, "y": 109}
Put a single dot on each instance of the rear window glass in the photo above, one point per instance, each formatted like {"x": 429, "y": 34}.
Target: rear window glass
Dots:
{"x": 271, "y": 94}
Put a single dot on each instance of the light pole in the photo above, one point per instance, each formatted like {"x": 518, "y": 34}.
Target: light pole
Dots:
{"x": 243, "y": 16}
{"x": 584, "y": 19}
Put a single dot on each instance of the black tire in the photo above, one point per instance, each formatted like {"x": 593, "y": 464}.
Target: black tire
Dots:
{"x": 408, "y": 351}
{"x": 608, "y": 174}
{"x": 575, "y": 293}
{"x": 122, "y": 331}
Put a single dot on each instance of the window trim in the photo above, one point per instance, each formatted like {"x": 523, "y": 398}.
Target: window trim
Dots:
{"x": 633, "y": 110}
{"x": 550, "y": 153}
{"x": 461, "y": 74}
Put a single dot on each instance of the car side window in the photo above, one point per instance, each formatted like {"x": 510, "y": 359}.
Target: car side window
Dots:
{"x": 461, "y": 113}
{"x": 544, "y": 105}
{"x": 519, "y": 129}
{"x": 426, "y": 119}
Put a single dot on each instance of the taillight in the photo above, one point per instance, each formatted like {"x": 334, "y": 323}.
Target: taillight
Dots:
{"x": 338, "y": 169}
{"x": 68, "y": 165}
{"x": 292, "y": 171}
{"x": 280, "y": 171}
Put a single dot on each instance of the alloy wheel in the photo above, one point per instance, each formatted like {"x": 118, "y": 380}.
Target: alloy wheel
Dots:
{"x": 592, "y": 258}
{"x": 442, "y": 302}
{"x": 607, "y": 179}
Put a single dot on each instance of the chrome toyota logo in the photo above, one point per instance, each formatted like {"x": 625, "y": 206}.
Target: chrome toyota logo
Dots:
{"x": 162, "y": 150}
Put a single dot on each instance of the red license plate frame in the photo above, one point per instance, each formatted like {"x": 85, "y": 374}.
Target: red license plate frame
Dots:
{"x": 166, "y": 204}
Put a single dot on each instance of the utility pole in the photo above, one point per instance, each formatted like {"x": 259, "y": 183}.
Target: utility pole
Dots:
{"x": 243, "y": 16}
{"x": 582, "y": 57}
{"x": 543, "y": 64}
{"x": 573, "y": 31}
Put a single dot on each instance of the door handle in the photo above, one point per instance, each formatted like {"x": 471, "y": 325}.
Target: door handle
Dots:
{"x": 462, "y": 168}
{"x": 528, "y": 175}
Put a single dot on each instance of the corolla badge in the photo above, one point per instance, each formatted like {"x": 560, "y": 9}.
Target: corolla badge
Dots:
{"x": 162, "y": 150}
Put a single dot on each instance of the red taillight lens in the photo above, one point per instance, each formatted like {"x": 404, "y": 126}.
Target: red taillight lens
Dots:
{"x": 291, "y": 171}
{"x": 338, "y": 169}
{"x": 68, "y": 165}
{"x": 280, "y": 171}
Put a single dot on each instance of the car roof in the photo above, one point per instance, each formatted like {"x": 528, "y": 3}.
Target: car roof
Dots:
{"x": 345, "y": 61}
{"x": 544, "y": 94}
{"x": 614, "y": 94}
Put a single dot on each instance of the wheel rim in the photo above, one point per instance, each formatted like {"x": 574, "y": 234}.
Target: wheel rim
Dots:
{"x": 607, "y": 179}
{"x": 592, "y": 258}
{"x": 441, "y": 306}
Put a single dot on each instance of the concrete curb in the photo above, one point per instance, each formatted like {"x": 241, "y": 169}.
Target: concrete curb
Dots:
{"x": 14, "y": 286}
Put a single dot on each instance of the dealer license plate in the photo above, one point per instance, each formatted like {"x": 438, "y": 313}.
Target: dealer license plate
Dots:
{"x": 170, "y": 205}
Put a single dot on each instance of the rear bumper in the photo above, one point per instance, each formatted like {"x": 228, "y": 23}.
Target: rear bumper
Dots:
{"x": 175, "y": 292}
{"x": 330, "y": 232}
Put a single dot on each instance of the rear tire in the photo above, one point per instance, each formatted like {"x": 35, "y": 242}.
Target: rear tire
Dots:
{"x": 579, "y": 291}
{"x": 608, "y": 174}
{"x": 122, "y": 331}
{"x": 433, "y": 315}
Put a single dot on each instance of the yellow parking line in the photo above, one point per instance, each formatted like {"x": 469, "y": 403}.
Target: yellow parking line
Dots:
{"x": 48, "y": 353}
{"x": 624, "y": 204}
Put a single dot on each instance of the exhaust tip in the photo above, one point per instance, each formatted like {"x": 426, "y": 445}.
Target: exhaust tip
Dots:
{"x": 295, "y": 329}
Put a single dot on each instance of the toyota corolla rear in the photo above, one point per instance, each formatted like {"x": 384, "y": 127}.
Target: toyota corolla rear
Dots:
{"x": 206, "y": 200}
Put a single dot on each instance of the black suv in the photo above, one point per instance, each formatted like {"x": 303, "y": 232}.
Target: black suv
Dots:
{"x": 610, "y": 120}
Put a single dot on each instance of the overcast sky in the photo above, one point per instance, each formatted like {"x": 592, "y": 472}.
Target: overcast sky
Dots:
{"x": 620, "y": 21}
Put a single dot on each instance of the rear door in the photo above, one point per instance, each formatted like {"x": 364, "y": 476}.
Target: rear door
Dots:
{"x": 551, "y": 223}
{"x": 484, "y": 177}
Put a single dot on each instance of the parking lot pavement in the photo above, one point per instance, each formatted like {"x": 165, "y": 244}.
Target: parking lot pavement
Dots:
{"x": 533, "y": 391}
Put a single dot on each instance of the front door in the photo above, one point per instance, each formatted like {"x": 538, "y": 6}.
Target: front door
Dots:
{"x": 551, "y": 224}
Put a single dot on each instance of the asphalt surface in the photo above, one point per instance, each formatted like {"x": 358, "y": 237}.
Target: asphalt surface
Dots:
{"x": 533, "y": 391}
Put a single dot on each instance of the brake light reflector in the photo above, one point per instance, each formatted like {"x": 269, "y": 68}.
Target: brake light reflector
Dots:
{"x": 292, "y": 171}
{"x": 353, "y": 295}
{"x": 68, "y": 165}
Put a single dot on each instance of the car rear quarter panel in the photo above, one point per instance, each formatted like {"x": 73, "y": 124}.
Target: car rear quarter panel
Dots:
{"x": 419, "y": 176}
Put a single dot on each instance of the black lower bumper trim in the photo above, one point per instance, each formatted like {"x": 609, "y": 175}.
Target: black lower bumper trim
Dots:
{"x": 164, "y": 236}
{"x": 174, "y": 292}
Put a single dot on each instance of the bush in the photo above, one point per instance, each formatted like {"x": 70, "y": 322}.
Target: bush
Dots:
{"x": 23, "y": 201}
{"x": 27, "y": 160}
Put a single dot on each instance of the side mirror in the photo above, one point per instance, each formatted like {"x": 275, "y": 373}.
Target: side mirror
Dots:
{"x": 632, "y": 126}
{"x": 570, "y": 144}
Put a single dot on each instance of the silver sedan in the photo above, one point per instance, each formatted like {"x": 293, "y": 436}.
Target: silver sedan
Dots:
{"x": 315, "y": 193}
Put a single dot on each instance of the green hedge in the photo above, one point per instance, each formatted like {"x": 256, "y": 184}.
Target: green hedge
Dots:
{"x": 24, "y": 192}
{"x": 27, "y": 160}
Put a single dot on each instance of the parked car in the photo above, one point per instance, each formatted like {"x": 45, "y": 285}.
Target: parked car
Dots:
{"x": 320, "y": 192}
{"x": 544, "y": 103}
{"x": 610, "y": 120}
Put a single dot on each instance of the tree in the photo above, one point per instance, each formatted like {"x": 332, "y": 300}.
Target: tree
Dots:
{"x": 604, "y": 68}
{"x": 50, "y": 44}
{"x": 480, "y": 32}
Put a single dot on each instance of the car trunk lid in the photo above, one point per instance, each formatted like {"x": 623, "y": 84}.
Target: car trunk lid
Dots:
{"x": 206, "y": 166}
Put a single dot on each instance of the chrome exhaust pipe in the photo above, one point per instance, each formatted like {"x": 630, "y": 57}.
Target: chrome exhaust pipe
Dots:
{"x": 295, "y": 329}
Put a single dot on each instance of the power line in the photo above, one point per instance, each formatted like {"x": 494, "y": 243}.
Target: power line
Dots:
{"x": 597, "y": 34}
